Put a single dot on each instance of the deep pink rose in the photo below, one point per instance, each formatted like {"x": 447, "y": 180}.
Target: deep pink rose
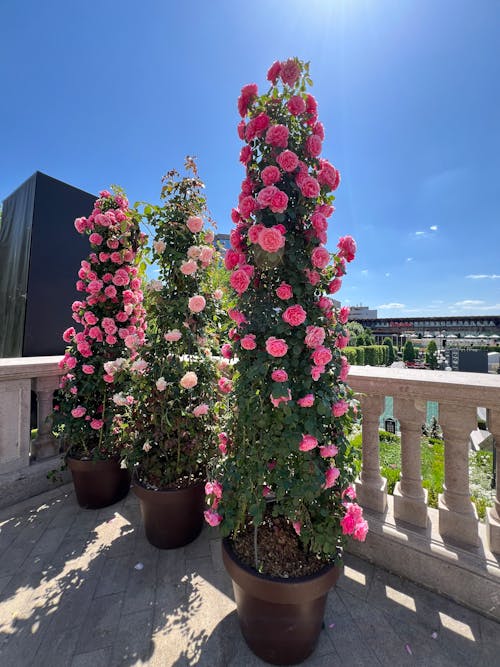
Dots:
{"x": 121, "y": 278}
{"x": 306, "y": 401}
{"x": 294, "y": 315}
{"x": 311, "y": 104}
{"x": 340, "y": 408}
{"x": 307, "y": 443}
{"x": 253, "y": 233}
{"x": 81, "y": 225}
{"x": 231, "y": 259}
{"x": 288, "y": 161}
{"x": 320, "y": 257}
{"x": 284, "y": 291}
{"x": 248, "y": 342}
{"x": 245, "y": 154}
{"x": 95, "y": 238}
{"x": 290, "y": 71}
{"x": 313, "y": 145}
{"x": 347, "y": 247}
{"x": 296, "y": 105}
{"x": 271, "y": 239}
{"x": 342, "y": 341}
{"x": 236, "y": 316}
{"x": 239, "y": 281}
{"x": 248, "y": 94}
{"x": 328, "y": 451}
{"x": 225, "y": 385}
{"x": 276, "y": 347}
{"x": 315, "y": 336}
{"x": 68, "y": 334}
{"x": 265, "y": 196}
{"x": 312, "y": 276}
{"x": 226, "y": 351}
{"x": 241, "y": 129}
{"x": 319, "y": 222}
{"x": 270, "y": 175}
{"x": 322, "y": 356}
{"x": 279, "y": 202}
{"x": 331, "y": 476}
{"x": 328, "y": 175}
{"x": 319, "y": 129}
{"x": 317, "y": 372}
{"x": 309, "y": 187}
{"x": 247, "y": 206}
{"x": 78, "y": 412}
{"x": 334, "y": 285}
{"x": 279, "y": 375}
{"x": 344, "y": 370}
{"x": 274, "y": 72}
{"x": 360, "y": 530}
{"x": 212, "y": 518}
{"x": 196, "y": 303}
{"x": 277, "y": 135}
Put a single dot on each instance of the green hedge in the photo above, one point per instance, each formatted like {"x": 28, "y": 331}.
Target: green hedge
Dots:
{"x": 371, "y": 355}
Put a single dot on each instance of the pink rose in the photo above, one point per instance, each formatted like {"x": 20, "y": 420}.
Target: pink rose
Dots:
{"x": 276, "y": 347}
{"x": 360, "y": 530}
{"x": 319, "y": 129}
{"x": 328, "y": 175}
{"x": 350, "y": 492}
{"x": 68, "y": 334}
{"x": 196, "y": 303}
{"x": 110, "y": 291}
{"x": 271, "y": 239}
{"x": 96, "y": 424}
{"x": 225, "y": 385}
{"x": 279, "y": 375}
{"x": 277, "y": 135}
{"x": 306, "y": 401}
{"x": 78, "y": 412}
{"x": 121, "y": 278}
{"x": 342, "y": 341}
{"x": 248, "y": 342}
{"x": 248, "y": 94}
{"x": 297, "y": 526}
{"x": 274, "y": 72}
{"x": 194, "y": 224}
{"x": 236, "y": 316}
{"x": 218, "y": 294}
{"x": 309, "y": 187}
{"x": 223, "y": 440}
{"x": 189, "y": 380}
{"x": 279, "y": 202}
{"x": 288, "y": 161}
{"x": 319, "y": 222}
{"x": 344, "y": 371}
{"x": 320, "y": 257}
{"x": 313, "y": 145}
{"x": 344, "y": 313}
{"x": 281, "y": 399}
{"x": 241, "y": 129}
{"x": 307, "y": 443}
{"x": 340, "y": 408}
{"x": 294, "y": 315}
{"x": 189, "y": 267}
{"x": 321, "y": 356}
{"x": 270, "y": 175}
{"x": 317, "y": 372}
{"x": 214, "y": 488}
{"x": 231, "y": 259}
{"x": 328, "y": 451}
{"x": 284, "y": 291}
{"x": 245, "y": 155}
{"x": 206, "y": 254}
{"x": 200, "y": 410}
{"x": 296, "y": 105}
{"x": 247, "y": 206}
{"x": 253, "y": 233}
{"x": 331, "y": 476}
{"x": 265, "y": 196}
{"x": 334, "y": 285}
{"x": 289, "y": 71}
{"x": 226, "y": 351}
{"x": 172, "y": 336}
{"x": 95, "y": 238}
{"x": 88, "y": 369}
{"x": 347, "y": 247}
{"x": 312, "y": 276}
{"x": 239, "y": 281}
{"x": 81, "y": 225}
{"x": 315, "y": 336}
{"x": 212, "y": 517}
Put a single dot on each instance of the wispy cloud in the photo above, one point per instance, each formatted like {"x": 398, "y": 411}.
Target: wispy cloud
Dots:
{"x": 390, "y": 306}
{"x": 387, "y": 275}
{"x": 419, "y": 233}
{"x": 433, "y": 228}
{"x": 467, "y": 303}
{"x": 483, "y": 276}
{"x": 409, "y": 259}
{"x": 364, "y": 272}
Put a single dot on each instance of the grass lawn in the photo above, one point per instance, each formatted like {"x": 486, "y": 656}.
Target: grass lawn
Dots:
{"x": 432, "y": 457}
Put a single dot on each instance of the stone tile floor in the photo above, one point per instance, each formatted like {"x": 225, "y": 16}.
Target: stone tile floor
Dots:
{"x": 73, "y": 594}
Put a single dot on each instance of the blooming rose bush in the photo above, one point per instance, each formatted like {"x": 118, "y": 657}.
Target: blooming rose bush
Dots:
{"x": 285, "y": 449}
{"x": 110, "y": 324}
{"x": 169, "y": 408}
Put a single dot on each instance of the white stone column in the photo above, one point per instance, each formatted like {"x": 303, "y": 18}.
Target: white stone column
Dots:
{"x": 45, "y": 445}
{"x": 457, "y": 515}
{"x": 410, "y": 499}
{"x": 15, "y": 399}
{"x": 493, "y": 513}
{"x": 371, "y": 487}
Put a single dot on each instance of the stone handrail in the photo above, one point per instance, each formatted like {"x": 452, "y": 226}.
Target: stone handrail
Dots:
{"x": 458, "y": 395}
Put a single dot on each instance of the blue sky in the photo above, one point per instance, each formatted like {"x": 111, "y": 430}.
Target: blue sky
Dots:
{"x": 106, "y": 92}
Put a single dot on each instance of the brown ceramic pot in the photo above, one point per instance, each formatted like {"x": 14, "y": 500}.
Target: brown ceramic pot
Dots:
{"x": 280, "y": 619}
{"x": 98, "y": 483}
{"x": 173, "y": 517}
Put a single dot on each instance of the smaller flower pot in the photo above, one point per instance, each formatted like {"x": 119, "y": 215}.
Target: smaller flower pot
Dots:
{"x": 98, "y": 483}
{"x": 172, "y": 518}
{"x": 280, "y": 619}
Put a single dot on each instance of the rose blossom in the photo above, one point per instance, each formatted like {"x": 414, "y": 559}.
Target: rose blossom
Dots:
{"x": 276, "y": 347}
{"x": 245, "y": 155}
{"x": 161, "y": 384}
{"x": 78, "y": 412}
{"x": 248, "y": 342}
{"x": 247, "y": 206}
{"x": 194, "y": 224}
{"x": 189, "y": 267}
{"x": 296, "y": 105}
{"x": 288, "y": 161}
{"x": 218, "y": 294}
{"x": 360, "y": 530}
{"x": 315, "y": 336}
{"x": 313, "y": 145}
{"x": 274, "y": 72}
{"x": 289, "y": 71}
{"x": 226, "y": 351}
{"x": 95, "y": 238}
{"x": 279, "y": 375}
{"x": 225, "y": 385}
{"x": 328, "y": 175}
{"x": 236, "y": 316}
{"x": 239, "y": 281}
{"x": 96, "y": 424}
{"x": 223, "y": 440}
{"x": 307, "y": 443}
{"x": 189, "y": 380}
{"x": 196, "y": 303}
{"x": 312, "y": 276}
{"x": 342, "y": 341}
{"x": 284, "y": 291}
{"x": 88, "y": 369}
{"x": 340, "y": 408}
{"x": 328, "y": 451}
{"x": 306, "y": 401}
{"x": 347, "y": 247}
{"x": 68, "y": 334}
{"x": 294, "y": 315}
{"x": 206, "y": 254}
{"x": 271, "y": 239}
{"x": 212, "y": 518}
{"x": 281, "y": 399}
{"x": 159, "y": 246}
{"x": 277, "y": 135}
{"x": 344, "y": 371}
{"x": 317, "y": 372}
{"x": 309, "y": 187}
{"x": 121, "y": 278}
{"x": 172, "y": 336}
{"x": 270, "y": 175}
{"x": 334, "y": 285}
{"x": 344, "y": 313}
{"x": 279, "y": 202}
{"x": 331, "y": 476}
{"x": 320, "y": 257}
{"x": 200, "y": 410}
{"x": 253, "y": 233}
{"x": 321, "y": 356}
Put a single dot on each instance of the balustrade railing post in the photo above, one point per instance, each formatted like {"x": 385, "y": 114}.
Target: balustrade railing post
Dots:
{"x": 371, "y": 487}
{"x": 410, "y": 499}
{"x": 457, "y": 515}
{"x": 45, "y": 445}
{"x": 493, "y": 514}
{"x": 15, "y": 398}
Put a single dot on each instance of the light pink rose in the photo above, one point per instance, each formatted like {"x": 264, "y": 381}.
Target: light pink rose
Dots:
{"x": 331, "y": 476}
{"x": 296, "y": 105}
{"x": 277, "y": 135}
{"x": 340, "y": 408}
{"x": 328, "y": 451}
{"x": 284, "y": 291}
{"x": 161, "y": 384}
{"x": 206, "y": 254}
{"x": 196, "y": 303}
{"x": 271, "y": 239}
{"x": 288, "y": 161}
{"x": 289, "y": 71}
{"x": 194, "y": 252}
{"x": 209, "y": 236}
{"x": 194, "y": 224}
{"x": 189, "y": 267}
{"x": 294, "y": 315}
{"x": 270, "y": 175}
{"x": 96, "y": 424}
{"x": 200, "y": 410}
{"x": 159, "y": 246}
{"x": 317, "y": 372}
{"x": 307, "y": 443}
{"x": 212, "y": 517}
{"x": 321, "y": 356}
{"x": 276, "y": 347}
{"x": 347, "y": 247}
{"x": 279, "y": 375}
{"x": 306, "y": 401}
{"x": 121, "y": 278}
{"x": 78, "y": 412}
{"x": 218, "y": 294}
{"x": 189, "y": 380}
{"x": 248, "y": 342}
{"x": 315, "y": 336}
{"x": 172, "y": 336}
{"x": 320, "y": 257}
{"x": 239, "y": 281}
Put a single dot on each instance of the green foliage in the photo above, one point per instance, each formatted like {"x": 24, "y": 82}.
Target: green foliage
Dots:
{"x": 431, "y": 356}
{"x": 391, "y": 356}
{"x": 408, "y": 351}
{"x": 359, "y": 335}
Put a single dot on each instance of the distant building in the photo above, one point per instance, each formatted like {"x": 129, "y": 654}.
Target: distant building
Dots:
{"x": 362, "y": 313}
{"x": 222, "y": 240}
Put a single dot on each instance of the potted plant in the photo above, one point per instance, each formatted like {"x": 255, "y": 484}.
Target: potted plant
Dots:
{"x": 281, "y": 491}
{"x": 110, "y": 319}
{"x": 168, "y": 414}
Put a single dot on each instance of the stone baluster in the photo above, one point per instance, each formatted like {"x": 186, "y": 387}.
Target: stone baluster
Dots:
{"x": 371, "y": 487}
{"x": 493, "y": 514}
{"x": 15, "y": 396}
{"x": 410, "y": 499}
{"x": 457, "y": 515}
{"x": 45, "y": 445}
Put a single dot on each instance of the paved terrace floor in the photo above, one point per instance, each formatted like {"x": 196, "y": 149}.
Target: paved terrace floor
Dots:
{"x": 82, "y": 587}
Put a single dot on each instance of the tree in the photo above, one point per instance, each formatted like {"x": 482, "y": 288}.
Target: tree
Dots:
{"x": 359, "y": 335}
{"x": 431, "y": 356}
{"x": 408, "y": 351}
{"x": 391, "y": 356}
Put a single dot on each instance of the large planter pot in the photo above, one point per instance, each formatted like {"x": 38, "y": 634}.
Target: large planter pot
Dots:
{"x": 173, "y": 517}
{"x": 280, "y": 619}
{"x": 98, "y": 483}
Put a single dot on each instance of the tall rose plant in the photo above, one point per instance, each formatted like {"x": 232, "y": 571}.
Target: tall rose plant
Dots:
{"x": 285, "y": 451}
